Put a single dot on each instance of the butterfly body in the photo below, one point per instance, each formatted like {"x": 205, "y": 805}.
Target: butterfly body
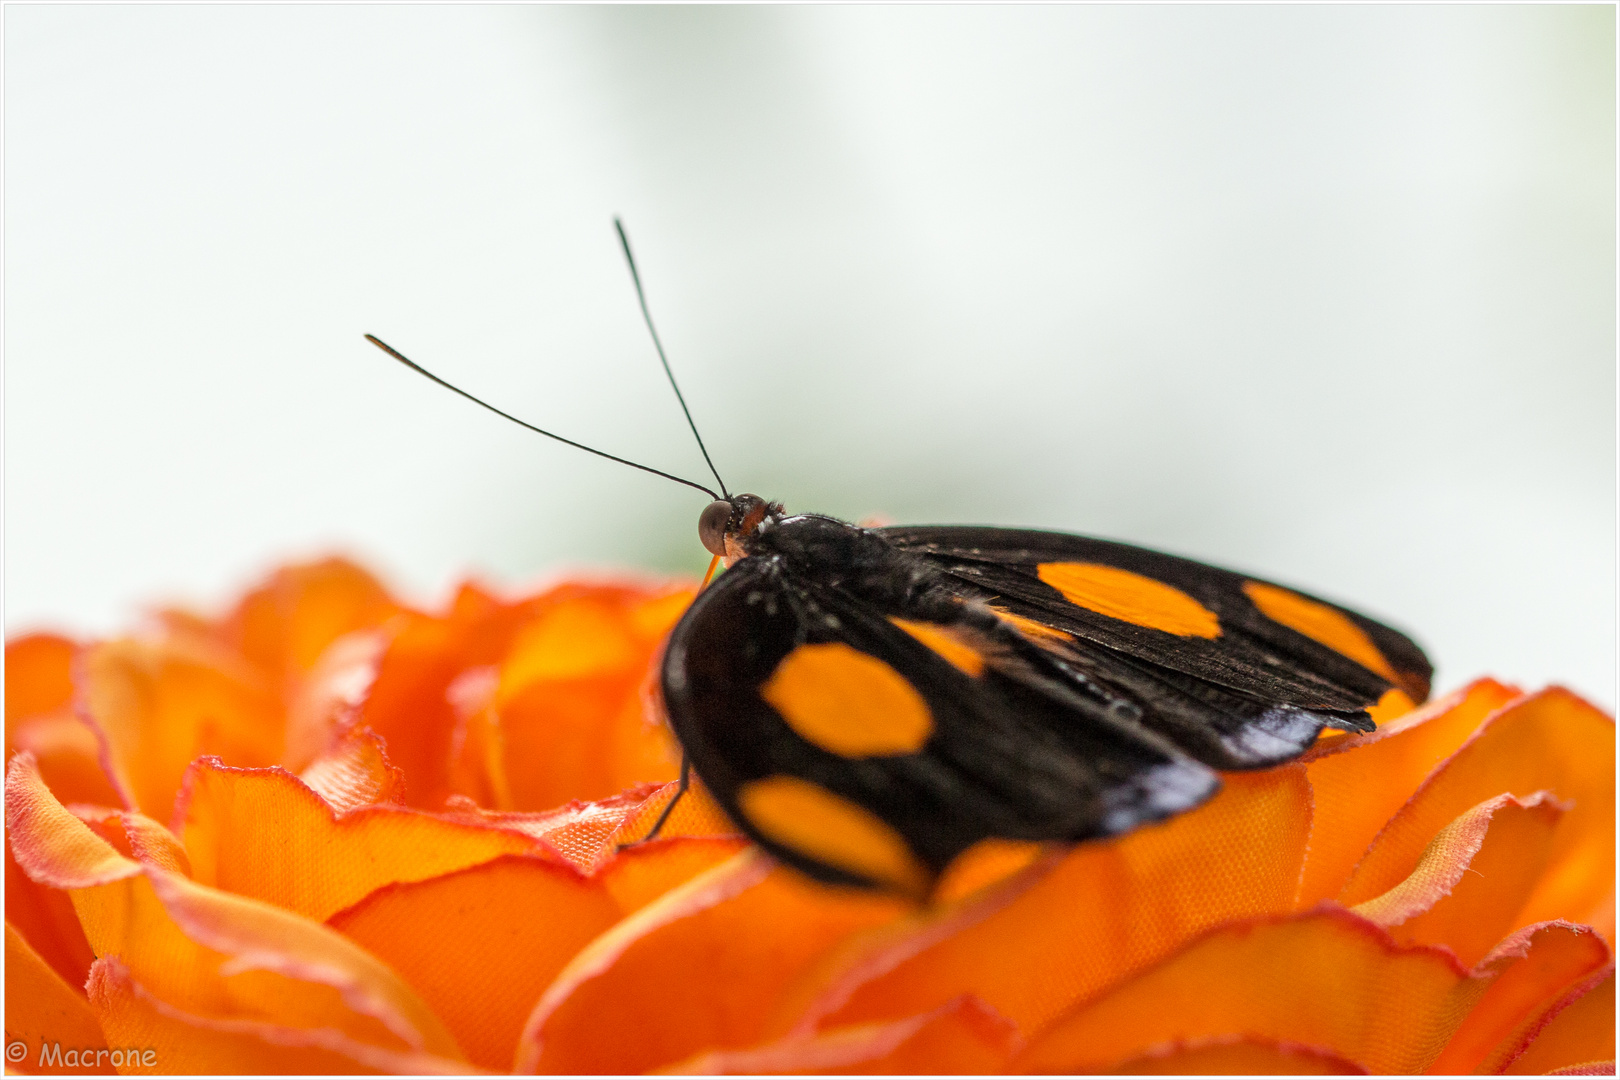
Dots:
{"x": 870, "y": 703}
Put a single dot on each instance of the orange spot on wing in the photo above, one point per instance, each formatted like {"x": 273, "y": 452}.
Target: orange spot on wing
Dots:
{"x": 986, "y": 862}
{"x": 1032, "y": 629}
{"x": 963, "y": 657}
{"x": 1322, "y": 624}
{"x": 1120, "y": 594}
{"x": 813, "y": 821}
{"x": 847, "y": 702}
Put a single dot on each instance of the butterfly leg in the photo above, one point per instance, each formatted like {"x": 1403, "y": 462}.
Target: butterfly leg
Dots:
{"x": 686, "y": 781}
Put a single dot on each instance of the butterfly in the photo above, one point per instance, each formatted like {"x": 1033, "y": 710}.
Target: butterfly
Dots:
{"x": 869, "y": 704}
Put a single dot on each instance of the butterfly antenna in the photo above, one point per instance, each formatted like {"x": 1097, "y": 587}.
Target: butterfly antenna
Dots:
{"x": 420, "y": 370}
{"x": 635, "y": 276}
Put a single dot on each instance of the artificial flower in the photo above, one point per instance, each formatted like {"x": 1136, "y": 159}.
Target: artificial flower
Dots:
{"x": 325, "y": 832}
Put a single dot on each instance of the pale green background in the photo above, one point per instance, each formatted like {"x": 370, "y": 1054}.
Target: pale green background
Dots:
{"x": 1325, "y": 293}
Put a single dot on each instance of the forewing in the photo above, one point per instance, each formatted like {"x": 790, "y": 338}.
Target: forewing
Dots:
{"x": 1212, "y": 627}
{"x": 850, "y": 748}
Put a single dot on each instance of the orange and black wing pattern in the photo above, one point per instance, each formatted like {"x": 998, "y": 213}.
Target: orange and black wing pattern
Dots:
{"x": 868, "y": 704}
{"x": 1198, "y": 647}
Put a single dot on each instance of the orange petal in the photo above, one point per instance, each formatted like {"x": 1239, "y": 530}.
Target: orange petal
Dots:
{"x": 284, "y": 625}
{"x": 39, "y": 677}
{"x": 582, "y": 738}
{"x": 640, "y": 875}
{"x": 1550, "y": 741}
{"x": 588, "y": 835}
{"x": 407, "y": 705}
{"x": 571, "y": 698}
{"x": 170, "y": 1040}
{"x": 1326, "y": 979}
{"x": 41, "y": 1007}
{"x": 136, "y": 836}
{"x": 963, "y": 1036}
{"x": 595, "y": 655}
{"x": 580, "y": 637}
{"x": 1586, "y": 1068}
{"x": 520, "y": 920}
{"x": 45, "y": 918}
{"x": 1359, "y": 782}
{"x": 701, "y": 967}
{"x": 52, "y": 846}
{"x": 262, "y": 833}
{"x": 477, "y": 769}
{"x": 353, "y": 773}
{"x": 1535, "y": 969}
{"x": 481, "y": 944}
{"x": 210, "y": 952}
{"x": 152, "y": 844}
{"x": 1106, "y": 910}
{"x": 1238, "y": 1055}
{"x": 1577, "y": 1031}
{"x": 653, "y": 616}
{"x": 40, "y": 719}
{"x": 580, "y": 834}
{"x": 323, "y": 704}
{"x": 408, "y": 702}
{"x": 224, "y": 956}
{"x": 697, "y": 814}
{"x": 160, "y": 704}
{"x": 1472, "y": 879}
{"x": 69, "y": 757}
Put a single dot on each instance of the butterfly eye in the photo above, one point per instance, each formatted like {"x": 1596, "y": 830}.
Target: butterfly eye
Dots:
{"x": 712, "y": 526}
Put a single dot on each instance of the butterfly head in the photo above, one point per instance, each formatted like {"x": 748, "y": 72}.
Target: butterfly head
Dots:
{"x": 727, "y": 525}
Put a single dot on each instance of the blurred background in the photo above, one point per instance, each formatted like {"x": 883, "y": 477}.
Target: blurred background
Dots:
{"x": 1322, "y": 293}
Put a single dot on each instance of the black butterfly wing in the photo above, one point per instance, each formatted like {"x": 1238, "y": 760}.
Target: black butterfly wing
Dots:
{"x": 1237, "y": 672}
{"x": 848, "y": 747}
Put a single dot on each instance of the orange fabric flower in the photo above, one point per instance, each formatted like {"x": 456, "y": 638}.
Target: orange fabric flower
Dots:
{"x": 329, "y": 833}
